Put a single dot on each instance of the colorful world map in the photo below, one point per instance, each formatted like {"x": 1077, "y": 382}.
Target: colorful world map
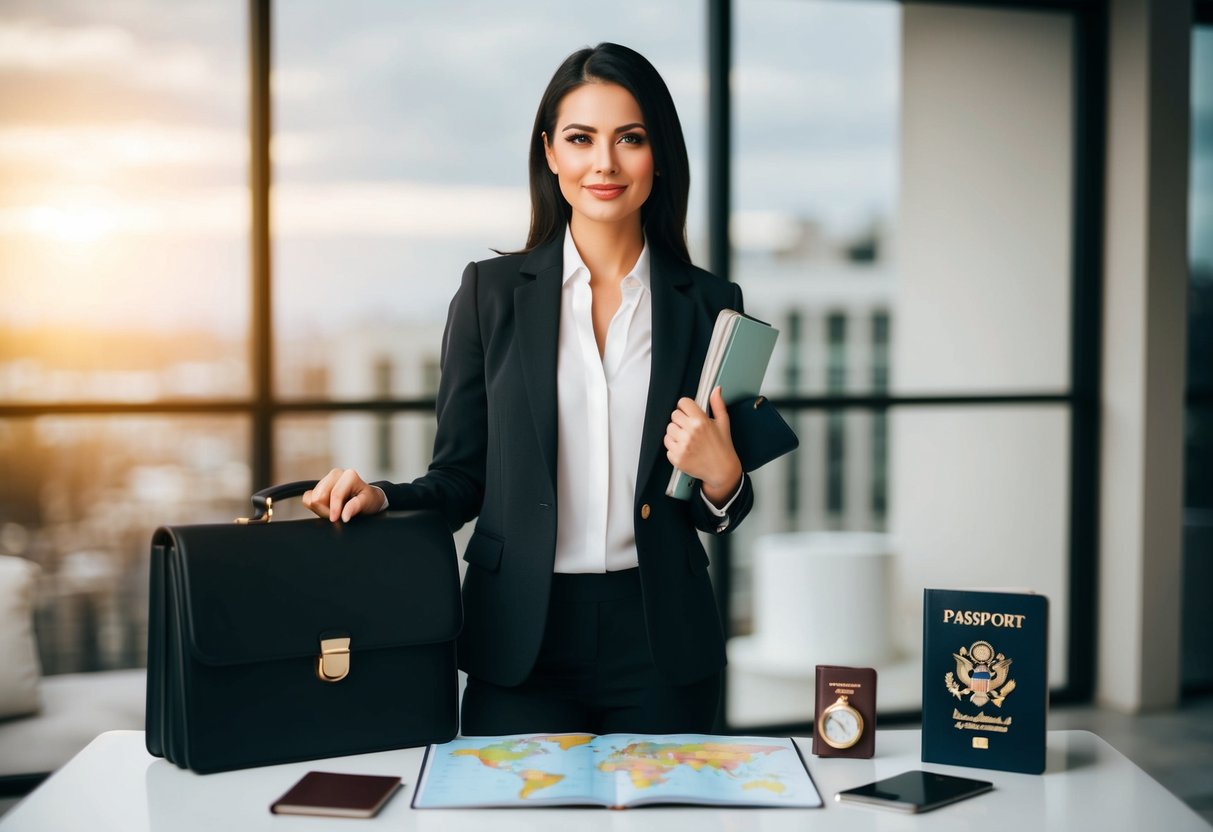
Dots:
{"x": 649, "y": 763}
{"x": 514, "y": 756}
{"x": 616, "y": 769}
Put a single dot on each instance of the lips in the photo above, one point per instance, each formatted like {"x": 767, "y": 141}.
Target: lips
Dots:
{"x": 606, "y": 191}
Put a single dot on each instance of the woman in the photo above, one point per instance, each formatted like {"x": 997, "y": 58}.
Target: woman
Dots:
{"x": 566, "y": 369}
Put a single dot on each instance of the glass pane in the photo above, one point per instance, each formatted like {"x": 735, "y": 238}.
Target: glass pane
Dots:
{"x": 395, "y": 447}
{"x": 1198, "y": 446}
{"x": 848, "y": 531}
{"x": 400, "y": 155}
{"x": 123, "y": 216}
{"x": 103, "y": 484}
{"x": 910, "y": 162}
{"x": 815, "y": 177}
{"x": 385, "y": 446}
{"x": 1201, "y": 194}
{"x": 984, "y": 277}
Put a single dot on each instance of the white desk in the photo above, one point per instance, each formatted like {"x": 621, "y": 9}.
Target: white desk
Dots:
{"x": 114, "y": 784}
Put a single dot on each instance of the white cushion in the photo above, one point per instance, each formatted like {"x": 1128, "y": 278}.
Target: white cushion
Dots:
{"x": 20, "y": 671}
{"x": 77, "y": 707}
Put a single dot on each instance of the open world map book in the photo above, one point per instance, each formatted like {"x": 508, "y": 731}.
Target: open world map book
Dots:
{"x": 614, "y": 771}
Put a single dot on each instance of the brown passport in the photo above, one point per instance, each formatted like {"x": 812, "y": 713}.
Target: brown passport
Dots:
{"x": 844, "y": 721}
{"x": 337, "y": 795}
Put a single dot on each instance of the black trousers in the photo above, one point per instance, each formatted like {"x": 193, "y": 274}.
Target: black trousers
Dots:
{"x": 595, "y": 672}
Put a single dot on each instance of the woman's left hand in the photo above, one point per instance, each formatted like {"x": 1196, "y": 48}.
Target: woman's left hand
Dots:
{"x": 702, "y": 447}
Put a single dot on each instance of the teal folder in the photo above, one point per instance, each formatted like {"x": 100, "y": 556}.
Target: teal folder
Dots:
{"x": 737, "y": 360}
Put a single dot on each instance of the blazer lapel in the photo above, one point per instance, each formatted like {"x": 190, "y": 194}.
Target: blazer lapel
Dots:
{"x": 673, "y": 322}
{"x": 537, "y": 321}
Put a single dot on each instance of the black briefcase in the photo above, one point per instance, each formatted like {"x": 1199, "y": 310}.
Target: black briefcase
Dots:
{"x": 270, "y": 642}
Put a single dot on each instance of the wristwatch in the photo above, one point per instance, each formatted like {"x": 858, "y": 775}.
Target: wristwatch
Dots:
{"x": 840, "y": 725}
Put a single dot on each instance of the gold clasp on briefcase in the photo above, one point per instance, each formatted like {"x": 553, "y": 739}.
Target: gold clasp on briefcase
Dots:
{"x": 333, "y": 663}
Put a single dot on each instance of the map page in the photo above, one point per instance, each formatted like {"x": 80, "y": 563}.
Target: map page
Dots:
{"x": 614, "y": 770}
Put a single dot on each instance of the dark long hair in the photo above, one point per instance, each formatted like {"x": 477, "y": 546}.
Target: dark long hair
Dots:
{"x": 664, "y": 214}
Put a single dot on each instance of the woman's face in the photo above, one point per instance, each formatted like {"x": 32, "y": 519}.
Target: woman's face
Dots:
{"x": 601, "y": 155}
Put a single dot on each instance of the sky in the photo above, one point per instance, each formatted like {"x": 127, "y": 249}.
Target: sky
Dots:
{"x": 400, "y": 143}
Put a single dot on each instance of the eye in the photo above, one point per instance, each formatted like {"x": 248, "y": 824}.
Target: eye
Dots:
{"x": 577, "y": 138}
{"x": 632, "y": 138}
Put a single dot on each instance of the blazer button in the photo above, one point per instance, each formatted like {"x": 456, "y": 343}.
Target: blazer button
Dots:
{"x": 645, "y": 511}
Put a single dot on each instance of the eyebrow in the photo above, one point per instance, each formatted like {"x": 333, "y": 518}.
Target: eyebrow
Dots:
{"x": 585, "y": 128}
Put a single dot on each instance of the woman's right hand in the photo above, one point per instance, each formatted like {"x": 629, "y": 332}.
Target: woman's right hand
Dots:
{"x": 343, "y": 494}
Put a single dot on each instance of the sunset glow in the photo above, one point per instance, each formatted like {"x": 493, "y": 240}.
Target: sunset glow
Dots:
{"x": 84, "y": 224}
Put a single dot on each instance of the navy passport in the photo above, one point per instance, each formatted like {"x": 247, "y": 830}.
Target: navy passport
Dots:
{"x": 985, "y": 679}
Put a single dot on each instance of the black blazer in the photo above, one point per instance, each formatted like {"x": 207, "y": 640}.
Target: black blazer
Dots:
{"x": 495, "y": 458}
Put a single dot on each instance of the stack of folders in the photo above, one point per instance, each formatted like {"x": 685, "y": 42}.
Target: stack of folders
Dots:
{"x": 737, "y": 360}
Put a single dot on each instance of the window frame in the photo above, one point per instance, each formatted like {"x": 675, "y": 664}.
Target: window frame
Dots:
{"x": 264, "y": 408}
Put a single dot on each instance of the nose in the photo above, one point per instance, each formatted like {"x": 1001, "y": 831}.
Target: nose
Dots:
{"x": 605, "y": 161}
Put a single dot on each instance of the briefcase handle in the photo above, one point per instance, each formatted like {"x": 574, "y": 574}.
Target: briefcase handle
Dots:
{"x": 263, "y": 500}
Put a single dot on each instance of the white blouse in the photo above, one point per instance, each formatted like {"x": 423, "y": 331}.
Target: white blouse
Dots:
{"x": 600, "y": 409}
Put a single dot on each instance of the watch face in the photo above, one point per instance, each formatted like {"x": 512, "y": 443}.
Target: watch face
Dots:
{"x": 841, "y": 727}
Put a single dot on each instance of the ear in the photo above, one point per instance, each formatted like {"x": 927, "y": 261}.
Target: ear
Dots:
{"x": 551, "y": 154}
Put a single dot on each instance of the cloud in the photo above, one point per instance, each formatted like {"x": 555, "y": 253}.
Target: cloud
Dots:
{"x": 402, "y": 208}
{"x": 373, "y": 99}
{"x": 313, "y": 211}
{"x": 36, "y": 48}
{"x": 104, "y": 147}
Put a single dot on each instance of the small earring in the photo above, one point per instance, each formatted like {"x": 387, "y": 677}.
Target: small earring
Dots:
{"x": 657, "y": 173}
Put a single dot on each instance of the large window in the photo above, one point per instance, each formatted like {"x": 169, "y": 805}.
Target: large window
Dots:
{"x": 904, "y": 201}
{"x": 125, "y": 292}
{"x": 904, "y": 205}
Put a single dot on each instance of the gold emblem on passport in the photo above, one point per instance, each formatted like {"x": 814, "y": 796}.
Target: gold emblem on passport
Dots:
{"x": 983, "y": 672}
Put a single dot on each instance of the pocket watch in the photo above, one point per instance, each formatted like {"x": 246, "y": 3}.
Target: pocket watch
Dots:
{"x": 840, "y": 725}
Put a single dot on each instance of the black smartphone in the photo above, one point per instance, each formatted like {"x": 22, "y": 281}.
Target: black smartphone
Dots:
{"x": 914, "y": 791}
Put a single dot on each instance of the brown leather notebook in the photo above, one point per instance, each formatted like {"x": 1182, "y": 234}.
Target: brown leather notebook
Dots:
{"x": 337, "y": 795}
{"x": 844, "y": 721}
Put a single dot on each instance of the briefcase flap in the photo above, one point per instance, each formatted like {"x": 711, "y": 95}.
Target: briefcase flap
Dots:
{"x": 269, "y": 591}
